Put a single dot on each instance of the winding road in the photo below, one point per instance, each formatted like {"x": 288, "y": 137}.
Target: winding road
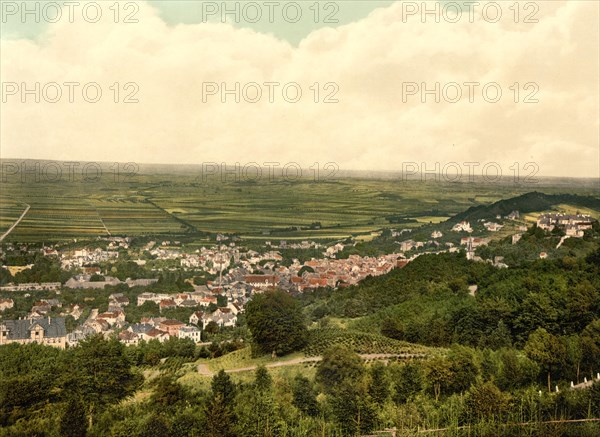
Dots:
{"x": 205, "y": 371}
{"x": 3, "y": 236}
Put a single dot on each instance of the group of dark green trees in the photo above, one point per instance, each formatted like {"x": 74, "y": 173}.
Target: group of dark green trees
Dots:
{"x": 94, "y": 390}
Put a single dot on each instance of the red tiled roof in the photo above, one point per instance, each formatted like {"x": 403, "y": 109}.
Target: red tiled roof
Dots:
{"x": 154, "y": 332}
{"x": 171, "y": 322}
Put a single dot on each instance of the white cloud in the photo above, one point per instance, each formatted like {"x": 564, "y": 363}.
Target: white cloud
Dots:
{"x": 370, "y": 128}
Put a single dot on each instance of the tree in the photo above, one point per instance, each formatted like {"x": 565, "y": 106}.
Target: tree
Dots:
{"x": 5, "y": 277}
{"x": 515, "y": 370}
{"x": 339, "y": 364}
{"x": 28, "y": 375}
{"x": 308, "y": 269}
{"x": 219, "y": 408}
{"x": 407, "y": 383}
{"x": 305, "y": 398}
{"x": 155, "y": 425}
{"x": 219, "y": 417}
{"x": 221, "y": 385}
{"x": 485, "y": 400}
{"x": 352, "y": 409}
{"x": 590, "y": 345}
{"x": 262, "y": 380}
{"x": 379, "y": 389}
{"x": 255, "y": 407}
{"x": 546, "y": 350}
{"x": 101, "y": 373}
{"x": 73, "y": 422}
{"x": 187, "y": 422}
{"x": 500, "y": 337}
{"x": 96, "y": 278}
{"x": 462, "y": 367}
{"x": 212, "y": 327}
{"x": 438, "y": 374}
{"x": 392, "y": 328}
{"x": 168, "y": 394}
{"x": 574, "y": 352}
{"x": 276, "y": 323}
{"x": 537, "y": 310}
{"x": 595, "y": 399}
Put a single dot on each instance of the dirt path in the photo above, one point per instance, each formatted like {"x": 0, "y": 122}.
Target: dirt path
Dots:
{"x": 205, "y": 371}
{"x": 104, "y": 224}
{"x": 3, "y": 236}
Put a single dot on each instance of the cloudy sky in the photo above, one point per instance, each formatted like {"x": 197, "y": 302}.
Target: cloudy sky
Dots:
{"x": 374, "y": 61}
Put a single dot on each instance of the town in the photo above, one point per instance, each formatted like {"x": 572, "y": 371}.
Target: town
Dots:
{"x": 237, "y": 274}
{"x": 219, "y": 279}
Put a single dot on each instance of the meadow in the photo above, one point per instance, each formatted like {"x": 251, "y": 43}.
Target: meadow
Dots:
{"x": 176, "y": 202}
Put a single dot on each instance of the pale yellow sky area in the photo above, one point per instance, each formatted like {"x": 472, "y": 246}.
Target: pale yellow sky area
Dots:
{"x": 375, "y": 67}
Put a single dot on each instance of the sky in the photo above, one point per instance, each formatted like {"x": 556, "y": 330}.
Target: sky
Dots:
{"x": 518, "y": 90}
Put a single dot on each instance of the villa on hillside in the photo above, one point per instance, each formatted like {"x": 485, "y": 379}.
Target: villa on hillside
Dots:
{"x": 473, "y": 242}
{"x": 573, "y": 224}
{"x": 462, "y": 226}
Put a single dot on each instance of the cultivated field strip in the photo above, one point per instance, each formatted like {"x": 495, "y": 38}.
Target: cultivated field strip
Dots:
{"x": 179, "y": 204}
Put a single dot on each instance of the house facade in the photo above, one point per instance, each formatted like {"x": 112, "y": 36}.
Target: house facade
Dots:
{"x": 191, "y": 332}
{"x": 49, "y": 331}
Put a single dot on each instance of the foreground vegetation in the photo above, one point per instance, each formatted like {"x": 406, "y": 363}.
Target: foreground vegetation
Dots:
{"x": 502, "y": 363}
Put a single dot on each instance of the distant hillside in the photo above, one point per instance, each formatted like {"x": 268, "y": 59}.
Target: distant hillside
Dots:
{"x": 529, "y": 202}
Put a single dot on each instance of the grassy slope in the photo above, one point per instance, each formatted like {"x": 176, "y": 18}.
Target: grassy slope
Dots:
{"x": 527, "y": 203}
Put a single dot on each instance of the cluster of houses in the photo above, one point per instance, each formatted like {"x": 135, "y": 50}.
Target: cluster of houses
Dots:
{"x": 84, "y": 257}
{"x": 223, "y": 316}
{"x": 32, "y": 286}
{"x": 158, "y": 328}
{"x": 492, "y": 226}
{"x": 161, "y": 328}
{"x": 333, "y": 250}
{"x": 212, "y": 261}
{"x": 408, "y": 245}
{"x": 181, "y": 300}
{"x": 337, "y": 272}
{"x": 302, "y": 245}
{"x": 86, "y": 282}
{"x": 573, "y": 225}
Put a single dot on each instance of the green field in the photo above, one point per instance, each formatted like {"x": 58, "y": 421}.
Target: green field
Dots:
{"x": 178, "y": 203}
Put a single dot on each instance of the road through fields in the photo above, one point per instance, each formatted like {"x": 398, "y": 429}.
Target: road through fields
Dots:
{"x": 15, "y": 223}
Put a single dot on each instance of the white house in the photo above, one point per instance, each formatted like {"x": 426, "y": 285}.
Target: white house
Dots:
{"x": 196, "y": 318}
{"x": 462, "y": 226}
{"x": 191, "y": 332}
